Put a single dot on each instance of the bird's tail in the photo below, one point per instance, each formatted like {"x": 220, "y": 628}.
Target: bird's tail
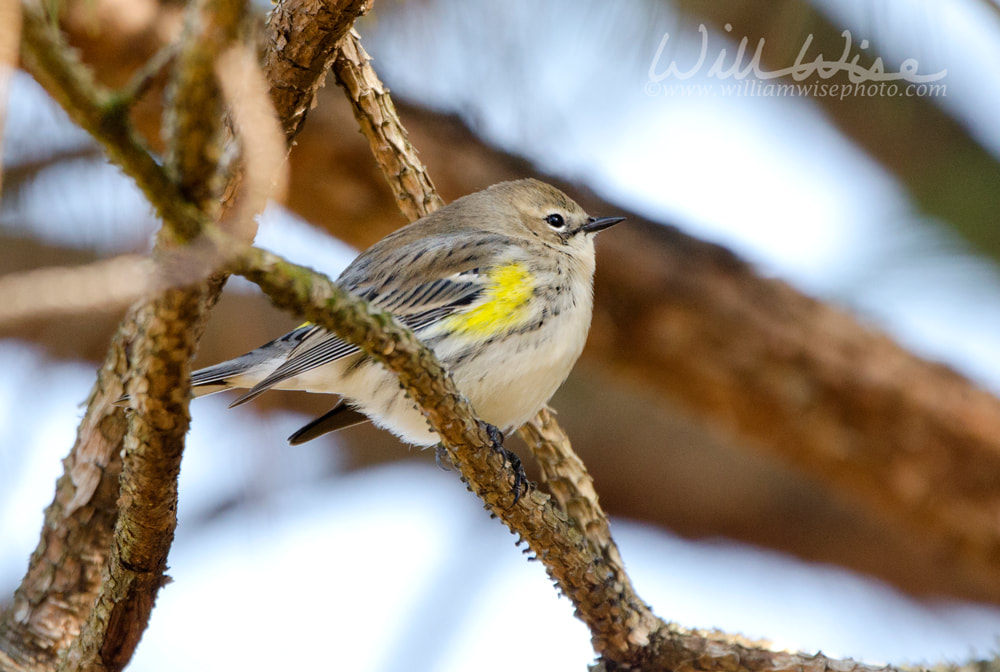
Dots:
{"x": 203, "y": 382}
{"x": 244, "y": 371}
{"x": 216, "y": 378}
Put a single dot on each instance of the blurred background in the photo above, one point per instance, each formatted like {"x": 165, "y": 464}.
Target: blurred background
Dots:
{"x": 882, "y": 205}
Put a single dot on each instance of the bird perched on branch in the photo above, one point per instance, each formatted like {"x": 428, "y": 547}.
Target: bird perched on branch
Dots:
{"x": 499, "y": 284}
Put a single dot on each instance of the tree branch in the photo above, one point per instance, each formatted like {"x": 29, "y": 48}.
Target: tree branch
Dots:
{"x": 160, "y": 359}
{"x": 194, "y": 112}
{"x": 48, "y": 292}
{"x": 64, "y": 573}
{"x": 10, "y": 39}
{"x": 373, "y": 108}
{"x": 302, "y": 39}
{"x": 99, "y": 112}
{"x": 807, "y": 382}
{"x": 625, "y": 632}
{"x": 62, "y": 580}
{"x": 159, "y": 384}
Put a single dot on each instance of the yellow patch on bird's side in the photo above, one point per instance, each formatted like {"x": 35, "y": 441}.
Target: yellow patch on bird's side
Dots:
{"x": 507, "y": 296}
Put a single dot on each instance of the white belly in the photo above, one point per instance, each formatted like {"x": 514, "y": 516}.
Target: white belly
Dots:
{"x": 506, "y": 383}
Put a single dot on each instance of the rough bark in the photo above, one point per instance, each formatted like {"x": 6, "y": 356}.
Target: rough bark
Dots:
{"x": 64, "y": 572}
{"x": 390, "y": 144}
{"x": 49, "y": 608}
{"x": 302, "y": 41}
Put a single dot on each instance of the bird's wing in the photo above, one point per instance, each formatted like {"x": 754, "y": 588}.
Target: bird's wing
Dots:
{"x": 415, "y": 304}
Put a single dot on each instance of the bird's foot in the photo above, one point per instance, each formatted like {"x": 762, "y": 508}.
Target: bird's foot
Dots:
{"x": 442, "y": 458}
{"x": 521, "y": 482}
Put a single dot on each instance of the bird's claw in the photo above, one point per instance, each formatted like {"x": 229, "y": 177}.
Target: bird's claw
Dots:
{"x": 441, "y": 457}
{"x": 521, "y": 481}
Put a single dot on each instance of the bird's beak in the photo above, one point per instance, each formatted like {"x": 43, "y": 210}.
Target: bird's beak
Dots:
{"x": 595, "y": 224}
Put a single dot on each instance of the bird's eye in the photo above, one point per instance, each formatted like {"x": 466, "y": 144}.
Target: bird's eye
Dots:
{"x": 555, "y": 220}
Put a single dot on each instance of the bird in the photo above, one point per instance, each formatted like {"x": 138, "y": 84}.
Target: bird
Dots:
{"x": 498, "y": 283}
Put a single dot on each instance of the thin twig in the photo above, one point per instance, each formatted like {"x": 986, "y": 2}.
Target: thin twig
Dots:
{"x": 373, "y": 108}
{"x": 142, "y": 80}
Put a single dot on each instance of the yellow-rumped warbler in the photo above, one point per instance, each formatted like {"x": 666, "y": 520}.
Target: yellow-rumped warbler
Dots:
{"x": 499, "y": 284}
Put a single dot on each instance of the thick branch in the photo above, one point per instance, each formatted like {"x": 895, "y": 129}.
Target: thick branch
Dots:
{"x": 64, "y": 572}
{"x": 302, "y": 38}
{"x": 158, "y": 387}
{"x": 160, "y": 362}
{"x": 808, "y": 382}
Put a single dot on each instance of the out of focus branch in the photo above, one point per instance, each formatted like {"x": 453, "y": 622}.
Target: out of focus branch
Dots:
{"x": 103, "y": 285}
{"x": 96, "y": 109}
{"x": 807, "y": 382}
{"x": 948, "y": 173}
{"x": 10, "y": 39}
{"x": 64, "y": 573}
{"x": 159, "y": 379}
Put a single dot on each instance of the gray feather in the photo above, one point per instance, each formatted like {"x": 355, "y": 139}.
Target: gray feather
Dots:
{"x": 218, "y": 377}
{"x": 416, "y": 305}
{"x": 339, "y": 417}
